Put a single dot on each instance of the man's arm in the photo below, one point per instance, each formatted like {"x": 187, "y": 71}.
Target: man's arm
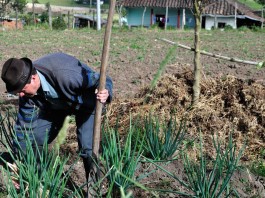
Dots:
{"x": 104, "y": 95}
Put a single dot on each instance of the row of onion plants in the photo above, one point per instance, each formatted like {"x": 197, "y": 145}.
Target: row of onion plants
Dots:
{"x": 148, "y": 140}
{"x": 155, "y": 141}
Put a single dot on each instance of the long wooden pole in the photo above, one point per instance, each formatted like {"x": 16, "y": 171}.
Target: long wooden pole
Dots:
{"x": 102, "y": 82}
{"x": 214, "y": 55}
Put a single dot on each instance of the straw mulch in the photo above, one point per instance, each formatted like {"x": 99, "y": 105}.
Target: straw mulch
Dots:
{"x": 226, "y": 105}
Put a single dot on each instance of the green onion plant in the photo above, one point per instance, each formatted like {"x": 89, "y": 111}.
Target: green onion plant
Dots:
{"x": 214, "y": 181}
{"x": 37, "y": 172}
{"x": 121, "y": 158}
{"x": 162, "y": 139}
{"x": 208, "y": 178}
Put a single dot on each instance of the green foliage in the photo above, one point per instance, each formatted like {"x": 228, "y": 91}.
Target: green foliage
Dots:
{"x": 262, "y": 2}
{"x": 258, "y": 168}
{"x": 250, "y": 29}
{"x": 123, "y": 28}
{"x": 154, "y": 26}
{"x": 209, "y": 178}
{"x": 28, "y": 18}
{"x": 213, "y": 183}
{"x": 255, "y": 28}
{"x": 122, "y": 11}
{"x": 186, "y": 27}
{"x": 162, "y": 139}
{"x": 162, "y": 66}
{"x": 3, "y": 195}
{"x": 121, "y": 158}
{"x": 59, "y": 23}
{"x": 19, "y": 5}
{"x": 243, "y": 29}
{"x": 254, "y": 4}
{"x": 39, "y": 171}
{"x": 61, "y": 2}
{"x": 228, "y": 27}
{"x": 44, "y": 17}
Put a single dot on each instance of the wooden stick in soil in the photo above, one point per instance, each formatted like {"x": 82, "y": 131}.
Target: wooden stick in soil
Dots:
{"x": 214, "y": 55}
{"x": 102, "y": 82}
{"x": 94, "y": 172}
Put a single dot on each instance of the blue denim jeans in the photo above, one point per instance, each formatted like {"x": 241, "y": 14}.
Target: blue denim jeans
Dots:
{"x": 49, "y": 123}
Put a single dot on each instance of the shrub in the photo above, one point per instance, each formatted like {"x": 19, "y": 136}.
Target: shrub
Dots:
{"x": 243, "y": 29}
{"x": 44, "y": 17}
{"x": 27, "y": 18}
{"x": 255, "y": 28}
{"x": 59, "y": 23}
{"x": 228, "y": 27}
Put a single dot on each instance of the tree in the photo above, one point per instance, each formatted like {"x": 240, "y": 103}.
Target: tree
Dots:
{"x": 198, "y": 8}
{"x": 33, "y": 11}
{"x": 122, "y": 13}
{"x": 3, "y": 6}
{"x": 262, "y": 2}
{"x": 19, "y": 5}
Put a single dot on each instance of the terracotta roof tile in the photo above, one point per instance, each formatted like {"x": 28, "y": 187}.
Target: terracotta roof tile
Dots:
{"x": 219, "y": 7}
{"x": 227, "y": 7}
{"x": 157, "y": 3}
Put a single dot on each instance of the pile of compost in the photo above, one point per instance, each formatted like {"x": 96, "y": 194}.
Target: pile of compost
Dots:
{"x": 226, "y": 105}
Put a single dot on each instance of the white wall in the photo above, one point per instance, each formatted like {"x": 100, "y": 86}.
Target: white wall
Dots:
{"x": 209, "y": 21}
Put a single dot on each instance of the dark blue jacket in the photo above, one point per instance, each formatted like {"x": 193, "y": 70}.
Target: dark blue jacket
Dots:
{"x": 74, "y": 82}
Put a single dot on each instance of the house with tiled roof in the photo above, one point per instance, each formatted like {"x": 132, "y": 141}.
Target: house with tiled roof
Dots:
{"x": 230, "y": 12}
{"x": 179, "y": 13}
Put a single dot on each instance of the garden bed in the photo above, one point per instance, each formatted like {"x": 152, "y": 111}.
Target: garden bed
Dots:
{"x": 232, "y": 97}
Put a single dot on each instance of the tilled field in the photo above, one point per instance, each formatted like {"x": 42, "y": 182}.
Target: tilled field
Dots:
{"x": 232, "y": 94}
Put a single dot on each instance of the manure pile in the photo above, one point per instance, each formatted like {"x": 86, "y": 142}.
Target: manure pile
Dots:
{"x": 226, "y": 105}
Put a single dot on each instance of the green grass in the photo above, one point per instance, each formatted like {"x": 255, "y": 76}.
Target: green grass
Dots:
{"x": 61, "y": 3}
{"x": 68, "y": 3}
{"x": 252, "y": 4}
{"x": 3, "y": 195}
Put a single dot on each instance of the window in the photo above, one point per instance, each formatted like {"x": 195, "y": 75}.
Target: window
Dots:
{"x": 221, "y": 25}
